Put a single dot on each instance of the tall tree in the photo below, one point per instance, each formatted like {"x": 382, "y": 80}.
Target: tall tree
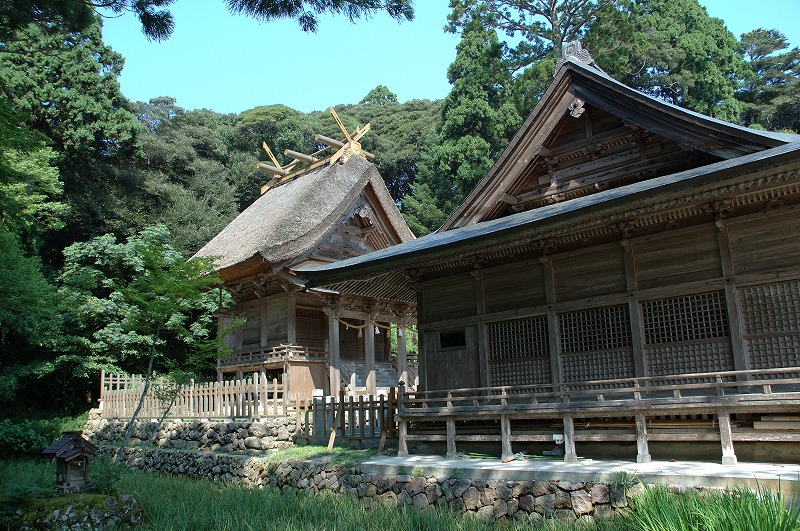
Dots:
{"x": 542, "y": 25}
{"x": 773, "y": 81}
{"x": 157, "y": 22}
{"x": 477, "y": 121}
{"x": 673, "y": 50}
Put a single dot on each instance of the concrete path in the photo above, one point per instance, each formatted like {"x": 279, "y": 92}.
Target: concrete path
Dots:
{"x": 785, "y": 477}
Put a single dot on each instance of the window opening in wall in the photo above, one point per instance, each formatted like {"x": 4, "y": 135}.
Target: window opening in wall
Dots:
{"x": 453, "y": 339}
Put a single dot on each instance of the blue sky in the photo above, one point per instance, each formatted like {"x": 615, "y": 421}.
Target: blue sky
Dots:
{"x": 230, "y": 63}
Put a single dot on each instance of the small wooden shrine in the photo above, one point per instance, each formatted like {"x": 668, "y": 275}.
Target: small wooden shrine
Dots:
{"x": 321, "y": 207}
{"x": 72, "y": 453}
{"x": 623, "y": 266}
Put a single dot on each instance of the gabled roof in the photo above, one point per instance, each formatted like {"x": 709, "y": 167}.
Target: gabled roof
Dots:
{"x": 576, "y": 84}
{"x": 291, "y": 219}
{"x": 70, "y": 445}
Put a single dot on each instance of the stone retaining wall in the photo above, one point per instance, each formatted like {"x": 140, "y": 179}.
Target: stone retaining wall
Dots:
{"x": 266, "y": 434}
{"x": 522, "y": 501}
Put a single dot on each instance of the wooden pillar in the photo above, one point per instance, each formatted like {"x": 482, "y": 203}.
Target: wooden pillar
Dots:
{"x": 451, "y": 439}
{"x": 402, "y": 425}
{"x": 642, "y": 450}
{"x": 291, "y": 320}
{"x": 334, "y": 354}
{"x": 263, "y": 323}
{"x": 552, "y": 322}
{"x": 569, "y": 440}
{"x": 725, "y": 438}
{"x": 402, "y": 438}
{"x": 634, "y": 312}
{"x": 505, "y": 437}
{"x": 369, "y": 357}
{"x": 402, "y": 355}
{"x": 482, "y": 346}
{"x": 733, "y": 303}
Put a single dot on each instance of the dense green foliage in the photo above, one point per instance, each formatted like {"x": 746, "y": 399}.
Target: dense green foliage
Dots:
{"x": 29, "y": 437}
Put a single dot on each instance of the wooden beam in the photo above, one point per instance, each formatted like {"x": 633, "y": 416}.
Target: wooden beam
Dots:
{"x": 302, "y": 157}
{"x": 272, "y": 169}
{"x": 338, "y": 145}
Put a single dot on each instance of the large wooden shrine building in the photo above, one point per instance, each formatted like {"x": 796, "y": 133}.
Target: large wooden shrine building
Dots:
{"x": 331, "y": 209}
{"x": 618, "y": 244}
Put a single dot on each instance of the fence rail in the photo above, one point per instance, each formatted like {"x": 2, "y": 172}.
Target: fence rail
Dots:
{"x": 252, "y": 397}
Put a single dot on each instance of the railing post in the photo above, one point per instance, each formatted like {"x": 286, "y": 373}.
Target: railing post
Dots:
{"x": 452, "y": 453}
{"x": 402, "y": 427}
{"x": 569, "y": 440}
{"x": 725, "y": 438}
{"x": 505, "y": 436}
{"x": 642, "y": 450}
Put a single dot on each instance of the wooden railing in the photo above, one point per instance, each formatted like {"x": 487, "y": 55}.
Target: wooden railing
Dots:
{"x": 248, "y": 398}
{"x": 716, "y": 393}
{"x": 348, "y": 418}
{"x": 269, "y": 355}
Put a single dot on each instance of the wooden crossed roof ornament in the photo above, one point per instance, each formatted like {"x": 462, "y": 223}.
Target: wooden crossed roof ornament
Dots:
{"x": 301, "y": 162}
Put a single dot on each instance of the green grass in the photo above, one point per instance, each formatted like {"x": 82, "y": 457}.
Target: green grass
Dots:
{"x": 176, "y": 503}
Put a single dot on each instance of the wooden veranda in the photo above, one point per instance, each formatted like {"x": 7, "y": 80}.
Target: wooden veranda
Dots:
{"x": 653, "y": 403}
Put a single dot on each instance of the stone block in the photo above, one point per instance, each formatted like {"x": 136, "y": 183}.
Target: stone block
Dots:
{"x": 527, "y": 503}
{"x": 472, "y": 498}
{"x": 600, "y": 494}
{"x": 581, "y": 502}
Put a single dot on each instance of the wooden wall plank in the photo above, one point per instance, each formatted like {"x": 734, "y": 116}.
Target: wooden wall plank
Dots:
{"x": 449, "y": 298}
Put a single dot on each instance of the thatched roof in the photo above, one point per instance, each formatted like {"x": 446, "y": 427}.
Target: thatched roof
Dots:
{"x": 294, "y": 217}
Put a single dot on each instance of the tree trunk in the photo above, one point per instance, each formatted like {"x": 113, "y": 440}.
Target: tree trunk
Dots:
{"x": 129, "y": 428}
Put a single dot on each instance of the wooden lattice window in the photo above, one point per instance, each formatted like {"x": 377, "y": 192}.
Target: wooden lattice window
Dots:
{"x": 596, "y": 344}
{"x": 519, "y": 352}
{"x": 771, "y": 315}
{"x": 311, "y": 330}
{"x": 349, "y": 341}
{"x": 687, "y": 334}
{"x": 251, "y": 329}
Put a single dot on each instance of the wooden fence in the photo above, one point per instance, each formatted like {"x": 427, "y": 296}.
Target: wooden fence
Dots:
{"x": 351, "y": 418}
{"x": 248, "y": 398}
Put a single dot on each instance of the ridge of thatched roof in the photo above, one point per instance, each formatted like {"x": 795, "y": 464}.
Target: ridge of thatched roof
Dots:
{"x": 291, "y": 219}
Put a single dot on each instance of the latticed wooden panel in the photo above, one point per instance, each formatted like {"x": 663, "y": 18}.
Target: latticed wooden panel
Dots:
{"x": 687, "y": 334}
{"x": 519, "y": 351}
{"x": 251, "y": 329}
{"x": 311, "y": 329}
{"x": 771, "y": 315}
{"x": 597, "y": 329}
{"x": 605, "y": 365}
{"x": 596, "y": 344}
{"x": 382, "y": 345}
{"x": 688, "y": 318}
{"x": 349, "y": 341}
{"x": 705, "y": 356}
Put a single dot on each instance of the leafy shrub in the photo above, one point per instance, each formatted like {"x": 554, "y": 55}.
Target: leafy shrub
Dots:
{"x": 105, "y": 475}
{"x": 30, "y": 437}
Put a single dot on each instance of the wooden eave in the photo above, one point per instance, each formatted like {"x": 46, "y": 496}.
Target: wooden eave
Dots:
{"x": 653, "y": 202}
{"x": 575, "y": 80}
